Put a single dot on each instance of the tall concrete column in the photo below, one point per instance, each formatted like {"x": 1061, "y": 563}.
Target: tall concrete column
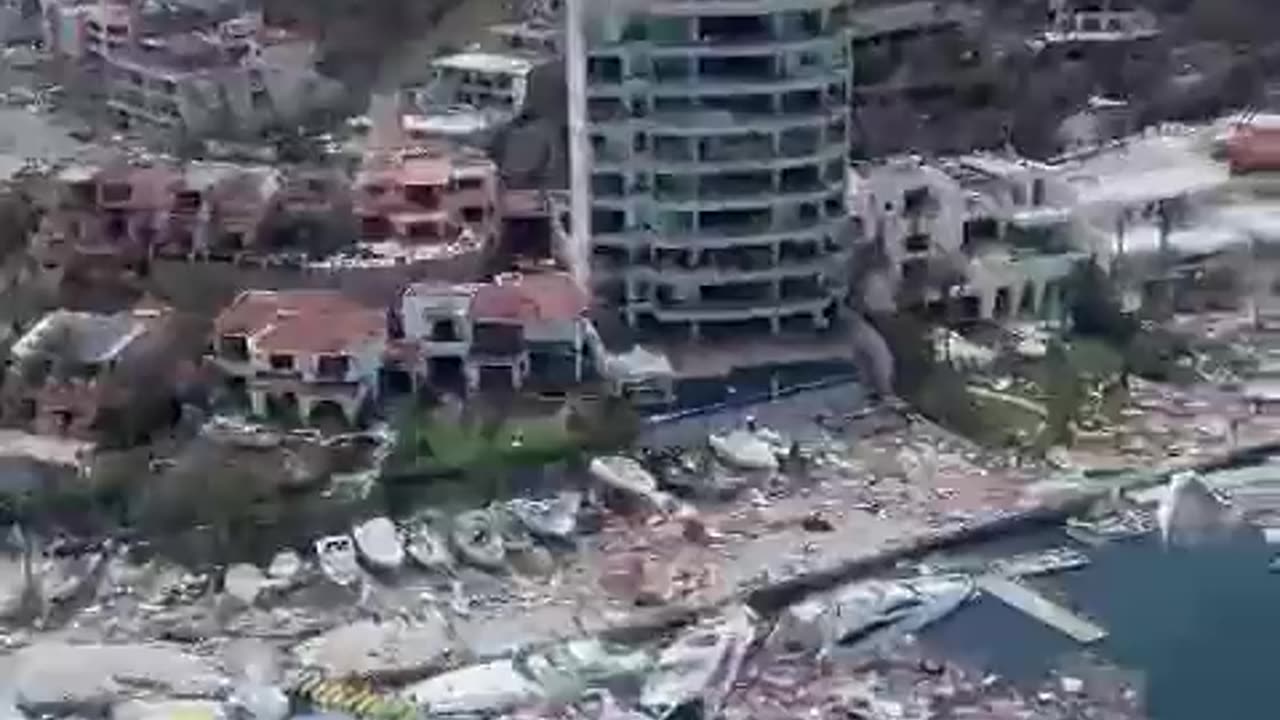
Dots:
{"x": 579, "y": 250}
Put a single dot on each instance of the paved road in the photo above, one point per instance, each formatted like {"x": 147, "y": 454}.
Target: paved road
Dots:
{"x": 793, "y": 415}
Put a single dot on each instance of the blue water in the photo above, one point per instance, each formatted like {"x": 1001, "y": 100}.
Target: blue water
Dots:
{"x": 1201, "y": 625}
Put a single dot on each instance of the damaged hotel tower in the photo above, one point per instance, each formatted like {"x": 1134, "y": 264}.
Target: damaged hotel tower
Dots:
{"x": 708, "y": 143}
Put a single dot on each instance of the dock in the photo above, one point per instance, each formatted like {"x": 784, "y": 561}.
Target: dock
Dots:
{"x": 1020, "y": 597}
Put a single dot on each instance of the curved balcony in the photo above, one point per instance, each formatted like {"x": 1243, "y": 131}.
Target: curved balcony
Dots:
{"x": 732, "y": 311}
{"x": 740, "y": 196}
{"x": 731, "y": 273}
{"x": 761, "y": 234}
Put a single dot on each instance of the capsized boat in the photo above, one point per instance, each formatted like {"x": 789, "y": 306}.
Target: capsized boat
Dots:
{"x": 867, "y": 614}
{"x": 379, "y": 543}
{"x": 478, "y": 540}
{"x": 426, "y": 541}
{"x": 700, "y": 667}
{"x": 337, "y": 555}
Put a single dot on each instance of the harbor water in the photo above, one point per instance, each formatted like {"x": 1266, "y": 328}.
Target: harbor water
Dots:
{"x": 1199, "y": 626}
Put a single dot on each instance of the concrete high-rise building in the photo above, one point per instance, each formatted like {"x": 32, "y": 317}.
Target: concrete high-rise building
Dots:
{"x": 708, "y": 145}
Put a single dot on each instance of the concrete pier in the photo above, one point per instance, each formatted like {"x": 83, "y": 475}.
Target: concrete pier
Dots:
{"x": 1019, "y": 596}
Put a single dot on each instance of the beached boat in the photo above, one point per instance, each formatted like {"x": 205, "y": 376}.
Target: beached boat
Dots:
{"x": 555, "y": 518}
{"x": 62, "y": 578}
{"x": 379, "y": 543}
{"x": 1045, "y": 562}
{"x": 700, "y": 667}
{"x": 337, "y": 555}
{"x": 627, "y": 478}
{"x": 867, "y": 614}
{"x": 286, "y": 566}
{"x": 558, "y": 673}
{"x": 427, "y": 542}
{"x": 478, "y": 540}
{"x": 1123, "y": 525}
{"x": 523, "y": 553}
{"x": 745, "y": 450}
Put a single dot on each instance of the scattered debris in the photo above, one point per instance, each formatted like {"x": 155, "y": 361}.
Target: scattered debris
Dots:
{"x": 701, "y": 666}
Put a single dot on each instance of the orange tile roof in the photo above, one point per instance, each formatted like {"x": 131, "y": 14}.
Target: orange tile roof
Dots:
{"x": 530, "y": 298}
{"x": 305, "y": 321}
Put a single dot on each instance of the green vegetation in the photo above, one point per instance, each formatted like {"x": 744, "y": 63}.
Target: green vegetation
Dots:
{"x": 438, "y": 444}
{"x": 485, "y": 443}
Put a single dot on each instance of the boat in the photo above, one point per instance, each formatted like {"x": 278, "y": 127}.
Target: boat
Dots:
{"x": 484, "y": 690}
{"x": 337, "y": 554}
{"x": 555, "y": 518}
{"x": 478, "y": 541}
{"x": 1122, "y": 525}
{"x": 744, "y": 450}
{"x": 63, "y": 578}
{"x": 867, "y": 614}
{"x": 559, "y": 673}
{"x": 627, "y": 477}
{"x": 1271, "y": 535}
{"x": 700, "y": 667}
{"x": 426, "y": 542}
{"x": 1045, "y": 562}
{"x": 379, "y": 543}
{"x": 1191, "y": 512}
{"x": 522, "y": 552}
{"x": 286, "y": 566}
{"x": 1274, "y": 565}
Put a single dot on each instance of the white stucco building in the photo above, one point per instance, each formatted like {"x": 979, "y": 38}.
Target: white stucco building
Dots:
{"x": 301, "y": 354}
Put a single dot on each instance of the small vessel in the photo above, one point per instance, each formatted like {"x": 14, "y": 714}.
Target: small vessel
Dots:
{"x": 379, "y": 543}
{"x": 1271, "y": 535}
{"x": 1274, "y": 565}
{"x": 62, "y": 578}
{"x": 628, "y": 478}
{"x": 559, "y": 672}
{"x": 1046, "y": 562}
{"x": 286, "y": 566}
{"x": 476, "y": 690}
{"x": 1191, "y": 512}
{"x": 745, "y": 450}
{"x": 523, "y": 553}
{"x": 337, "y": 554}
{"x": 867, "y": 614}
{"x": 478, "y": 541}
{"x": 1122, "y": 525}
{"x": 555, "y": 518}
{"x": 426, "y": 541}
{"x": 700, "y": 667}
